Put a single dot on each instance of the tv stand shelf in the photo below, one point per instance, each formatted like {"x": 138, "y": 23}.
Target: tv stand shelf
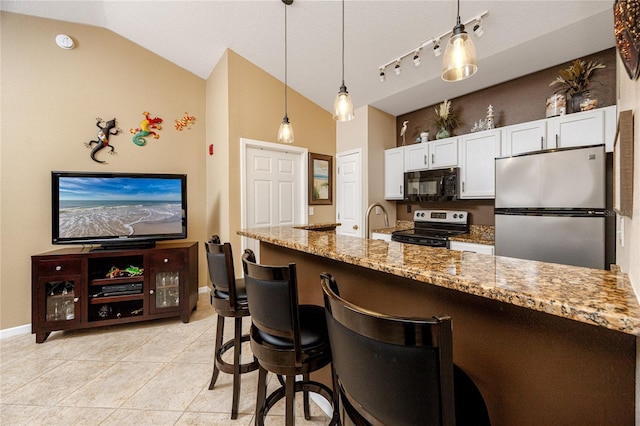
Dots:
{"x": 72, "y": 287}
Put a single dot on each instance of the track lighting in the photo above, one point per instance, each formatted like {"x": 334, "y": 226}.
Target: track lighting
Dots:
{"x": 437, "y": 51}
{"x": 459, "y": 39}
{"x": 416, "y": 58}
{"x": 478, "y": 30}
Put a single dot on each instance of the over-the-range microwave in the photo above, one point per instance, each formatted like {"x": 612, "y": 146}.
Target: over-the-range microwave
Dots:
{"x": 432, "y": 185}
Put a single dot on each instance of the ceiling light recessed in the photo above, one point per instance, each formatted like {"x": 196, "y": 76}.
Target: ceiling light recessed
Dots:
{"x": 65, "y": 42}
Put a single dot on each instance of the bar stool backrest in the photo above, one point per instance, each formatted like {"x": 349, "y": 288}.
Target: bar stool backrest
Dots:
{"x": 390, "y": 370}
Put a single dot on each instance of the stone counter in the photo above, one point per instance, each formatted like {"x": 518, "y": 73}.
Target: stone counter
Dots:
{"x": 597, "y": 297}
{"x": 545, "y": 344}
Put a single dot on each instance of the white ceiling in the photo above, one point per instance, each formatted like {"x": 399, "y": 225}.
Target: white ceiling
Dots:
{"x": 520, "y": 37}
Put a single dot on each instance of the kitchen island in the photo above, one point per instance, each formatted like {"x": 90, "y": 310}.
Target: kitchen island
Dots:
{"x": 544, "y": 343}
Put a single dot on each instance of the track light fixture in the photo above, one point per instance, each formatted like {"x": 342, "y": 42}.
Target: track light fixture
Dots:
{"x": 285, "y": 132}
{"x": 397, "y": 67}
{"x": 437, "y": 51}
{"x": 383, "y": 76}
{"x": 478, "y": 29}
{"x": 457, "y": 33}
{"x": 416, "y": 58}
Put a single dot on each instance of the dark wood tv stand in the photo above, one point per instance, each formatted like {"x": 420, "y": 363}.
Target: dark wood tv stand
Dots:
{"x": 72, "y": 288}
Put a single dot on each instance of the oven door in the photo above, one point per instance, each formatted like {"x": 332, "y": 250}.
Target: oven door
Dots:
{"x": 423, "y": 240}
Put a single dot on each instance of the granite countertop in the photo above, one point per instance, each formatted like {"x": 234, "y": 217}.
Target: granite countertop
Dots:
{"x": 318, "y": 226}
{"x": 598, "y": 297}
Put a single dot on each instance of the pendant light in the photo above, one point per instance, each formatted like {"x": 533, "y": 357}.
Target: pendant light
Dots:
{"x": 285, "y": 133}
{"x": 459, "y": 60}
{"x": 343, "y": 105}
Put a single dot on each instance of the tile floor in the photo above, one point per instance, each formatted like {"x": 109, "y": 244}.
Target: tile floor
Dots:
{"x": 153, "y": 373}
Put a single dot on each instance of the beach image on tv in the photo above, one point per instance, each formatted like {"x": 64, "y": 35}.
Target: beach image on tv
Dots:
{"x": 118, "y": 207}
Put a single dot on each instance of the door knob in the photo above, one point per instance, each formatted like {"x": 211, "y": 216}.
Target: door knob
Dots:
{"x": 355, "y": 227}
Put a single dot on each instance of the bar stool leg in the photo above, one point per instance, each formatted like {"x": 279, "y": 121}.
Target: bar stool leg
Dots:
{"x": 290, "y": 394}
{"x": 219, "y": 336}
{"x": 237, "y": 350}
{"x": 305, "y": 396}
{"x": 261, "y": 396}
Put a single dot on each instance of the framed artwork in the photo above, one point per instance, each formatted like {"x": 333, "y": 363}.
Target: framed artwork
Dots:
{"x": 320, "y": 179}
{"x": 626, "y": 28}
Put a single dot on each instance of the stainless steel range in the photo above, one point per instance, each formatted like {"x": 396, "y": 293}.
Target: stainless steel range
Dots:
{"x": 434, "y": 227}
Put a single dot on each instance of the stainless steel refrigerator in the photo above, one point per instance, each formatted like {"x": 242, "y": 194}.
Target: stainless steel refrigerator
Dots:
{"x": 550, "y": 206}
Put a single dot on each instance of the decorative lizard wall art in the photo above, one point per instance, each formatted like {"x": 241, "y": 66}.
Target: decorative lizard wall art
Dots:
{"x": 109, "y": 129}
{"x": 185, "y": 122}
{"x": 145, "y": 129}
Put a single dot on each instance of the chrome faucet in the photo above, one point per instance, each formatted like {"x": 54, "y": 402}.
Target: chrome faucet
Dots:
{"x": 386, "y": 218}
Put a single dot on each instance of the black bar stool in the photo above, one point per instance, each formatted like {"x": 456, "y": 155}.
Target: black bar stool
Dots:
{"x": 390, "y": 370}
{"x": 287, "y": 338}
{"x": 229, "y": 299}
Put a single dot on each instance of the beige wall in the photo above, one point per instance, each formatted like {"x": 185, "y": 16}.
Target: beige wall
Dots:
{"x": 50, "y": 99}
{"x": 252, "y": 108}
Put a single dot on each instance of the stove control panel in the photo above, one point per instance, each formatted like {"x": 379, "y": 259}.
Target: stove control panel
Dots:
{"x": 443, "y": 216}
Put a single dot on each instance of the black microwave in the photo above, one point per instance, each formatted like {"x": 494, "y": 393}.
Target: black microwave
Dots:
{"x": 432, "y": 185}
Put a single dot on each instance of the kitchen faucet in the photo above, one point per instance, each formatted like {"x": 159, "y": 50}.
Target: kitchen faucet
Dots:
{"x": 386, "y": 218}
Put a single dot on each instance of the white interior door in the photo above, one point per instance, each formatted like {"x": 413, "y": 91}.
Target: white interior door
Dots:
{"x": 274, "y": 187}
{"x": 349, "y": 193}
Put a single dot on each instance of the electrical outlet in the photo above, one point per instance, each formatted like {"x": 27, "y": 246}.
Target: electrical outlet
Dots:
{"x": 408, "y": 208}
{"x": 311, "y": 211}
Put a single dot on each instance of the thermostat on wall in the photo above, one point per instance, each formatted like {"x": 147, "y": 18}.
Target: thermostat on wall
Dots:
{"x": 64, "y": 41}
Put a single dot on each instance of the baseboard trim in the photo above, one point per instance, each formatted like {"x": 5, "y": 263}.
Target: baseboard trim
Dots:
{"x": 15, "y": 331}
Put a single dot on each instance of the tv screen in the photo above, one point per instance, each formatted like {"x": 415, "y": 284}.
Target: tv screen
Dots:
{"x": 118, "y": 208}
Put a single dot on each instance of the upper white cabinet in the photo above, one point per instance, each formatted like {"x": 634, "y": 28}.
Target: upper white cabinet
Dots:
{"x": 436, "y": 154}
{"x": 525, "y": 137}
{"x": 443, "y": 153}
{"x": 593, "y": 127}
{"x": 416, "y": 157}
{"x": 394, "y": 173}
{"x": 478, "y": 152}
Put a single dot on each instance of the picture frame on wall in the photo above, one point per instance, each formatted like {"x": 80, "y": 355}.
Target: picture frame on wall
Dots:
{"x": 320, "y": 179}
{"x": 626, "y": 28}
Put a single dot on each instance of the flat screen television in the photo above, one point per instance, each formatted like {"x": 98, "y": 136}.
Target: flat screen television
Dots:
{"x": 113, "y": 210}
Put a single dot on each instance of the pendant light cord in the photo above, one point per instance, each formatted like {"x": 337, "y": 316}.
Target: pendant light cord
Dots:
{"x": 343, "y": 42}
{"x": 285, "y": 60}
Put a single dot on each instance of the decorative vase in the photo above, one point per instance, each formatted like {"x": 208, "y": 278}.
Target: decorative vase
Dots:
{"x": 588, "y": 101}
{"x": 443, "y": 133}
{"x": 424, "y": 137}
{"x": 574, "y": 101}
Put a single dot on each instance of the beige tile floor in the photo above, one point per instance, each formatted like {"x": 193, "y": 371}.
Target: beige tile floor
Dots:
{"x": 154, "y": 373}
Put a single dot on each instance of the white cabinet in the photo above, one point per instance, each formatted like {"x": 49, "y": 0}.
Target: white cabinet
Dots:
{"x": 472, "y": 247}
{"x": 380, "y": 236}
{"x": 394, "y": 173}
{"x": 437, "y": 154}
{"x": 478, "y": 152}
{"x": 443, "y": 153}
{"x": 416, "y": 157}
{"x": 525, "y": 137}
{"x": 593, "y": 127}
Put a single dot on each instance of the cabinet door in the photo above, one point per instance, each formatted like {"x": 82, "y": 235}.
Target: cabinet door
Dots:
{"x": 444, "y": 153}
{"x": 578, "y": 129}
{"x": 167, "y": 281}
{"x": 394, "y": 174}
{"x": 477, "y": 165}
{"x": 59, "y": 301}
{"x": 416, "y": 157}
{"x": 472, "y": 247}
{"x": 523, "y": 138}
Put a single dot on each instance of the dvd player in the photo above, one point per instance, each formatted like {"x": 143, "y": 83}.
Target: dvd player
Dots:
{"x": 119, "y": 290}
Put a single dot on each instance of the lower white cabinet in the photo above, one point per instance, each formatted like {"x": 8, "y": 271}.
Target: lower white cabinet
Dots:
{"x": 477, "y": 163}
{"x": 380, "y": 236}
{"x": 472, "y": 247}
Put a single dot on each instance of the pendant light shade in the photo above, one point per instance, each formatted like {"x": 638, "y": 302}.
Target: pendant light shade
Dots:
{"x": 460, "y": 59}
{"x": 285, "y": 132}
{"x": 343, "y": 105}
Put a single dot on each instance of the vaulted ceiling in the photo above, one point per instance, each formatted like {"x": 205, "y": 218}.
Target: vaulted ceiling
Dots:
{"x": 520, "y": 37}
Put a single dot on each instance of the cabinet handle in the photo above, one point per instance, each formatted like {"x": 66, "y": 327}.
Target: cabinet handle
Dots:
{"x": 541, "y": 142}
{"x": 59, "y": 268}
{"x": 166, "y": 260}
{"x": 462, "y": 186}
{"x": 151, "y": 291}
{"x": 433, "y": 158}
{"x": 557, "y": 139}
{"x": 75, "y": 299}
{"x": 425, "y": 159}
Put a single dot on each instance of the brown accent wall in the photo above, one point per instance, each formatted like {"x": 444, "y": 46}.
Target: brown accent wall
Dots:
{"x": 515, "y": 101}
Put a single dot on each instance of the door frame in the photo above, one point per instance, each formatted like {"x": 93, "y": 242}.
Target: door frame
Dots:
{"x": 302, "y": 154}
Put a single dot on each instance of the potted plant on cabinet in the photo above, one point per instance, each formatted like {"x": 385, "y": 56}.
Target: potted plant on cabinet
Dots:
{"x": 445, "y": 120}
{"x": 575, "y": 81}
